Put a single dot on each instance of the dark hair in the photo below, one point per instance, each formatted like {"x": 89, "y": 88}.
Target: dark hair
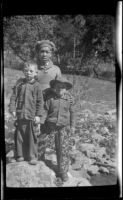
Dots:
{"x": 60, "y": 85}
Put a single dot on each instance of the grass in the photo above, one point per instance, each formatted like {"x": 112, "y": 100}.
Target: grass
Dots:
{"x": 92, "y": 94}
{"x": 99, "y": 95}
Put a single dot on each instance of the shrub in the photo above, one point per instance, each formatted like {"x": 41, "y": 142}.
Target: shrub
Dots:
{"x": 11, "y": 61}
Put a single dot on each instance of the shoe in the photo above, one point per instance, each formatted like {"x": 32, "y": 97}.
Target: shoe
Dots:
{"x": 64, "y": 177}
{"x": 33, "y": 162}
{"x": 20, "y": 159}
{"x": 12, "y": 160}
{"x": 58, "y": 182}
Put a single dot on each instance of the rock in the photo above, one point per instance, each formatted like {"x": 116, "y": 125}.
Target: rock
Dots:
{"x": 92, "y": 169}
{"x": 25, "y": 175}
{"x": 97, "y": 137}
{"x": 88, "y": 149}
{"x": 111, "y": 112}
{"x": 101, "y": 151}
{"x": 51, "y": 157}
{"x": 79, "y": 173}
{"x": 10, "y": 154}
{"x": 103, "y": 170}
{"x": 84, "y": 182}
{"x": 77, "y": 165}
{"x": 76, "y": 159}
{"x": 73, "y": 181}
{"x": 104, "y": 130}
{"x": 86, "y": 146}
{"x": 90, "y": 154}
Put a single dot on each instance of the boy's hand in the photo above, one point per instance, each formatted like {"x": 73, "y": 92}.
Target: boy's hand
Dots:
{"x": 37, "y": 120}
{"x": 13, "y": 114}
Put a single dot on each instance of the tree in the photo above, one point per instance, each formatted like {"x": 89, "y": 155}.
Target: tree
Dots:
{"x": 21, "y": 33}
{"x": 99, "y": 36}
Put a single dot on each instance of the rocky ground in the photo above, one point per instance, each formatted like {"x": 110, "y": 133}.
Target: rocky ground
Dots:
{"x": 93, "y": 146}
{"x": 92, "y": 156}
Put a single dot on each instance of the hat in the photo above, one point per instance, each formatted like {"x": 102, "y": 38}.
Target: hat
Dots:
{"x": 61, "y": 80}
{"x": 45, "y": 43}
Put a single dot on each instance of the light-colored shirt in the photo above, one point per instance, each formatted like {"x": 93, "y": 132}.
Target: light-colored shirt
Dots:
{"x": 48, "y": 73}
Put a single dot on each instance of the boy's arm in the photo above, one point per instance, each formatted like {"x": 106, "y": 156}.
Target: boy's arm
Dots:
{"x": 40, "y": 111}
{"x": 72, "y": 112}
{"x": 58, "y": 73}
{"x": 13, "y": 98}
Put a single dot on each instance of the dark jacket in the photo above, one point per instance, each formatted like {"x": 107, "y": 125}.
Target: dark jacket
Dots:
{"x": 60, "y": 110}
{"x": 27, "y": 100}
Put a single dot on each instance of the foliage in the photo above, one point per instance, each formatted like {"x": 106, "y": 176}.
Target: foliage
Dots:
{"x": 93, "y": 129}
{"x": 21, "y": 33}
{"x": 78, "y": 38}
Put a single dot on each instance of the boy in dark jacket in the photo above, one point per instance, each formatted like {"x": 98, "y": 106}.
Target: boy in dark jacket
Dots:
{"x": 60, "y": 119}
{"x": 26, "y": 104}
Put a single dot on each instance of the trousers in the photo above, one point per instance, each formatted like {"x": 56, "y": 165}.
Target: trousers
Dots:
{"x": 25, "y": 140}
{"x": 56, "y": 138}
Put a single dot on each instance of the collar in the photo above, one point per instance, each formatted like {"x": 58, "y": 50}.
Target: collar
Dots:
{"x": 64, "y": 96}
{"x": 46, "y": 66}
{"x": 30, "y": 82}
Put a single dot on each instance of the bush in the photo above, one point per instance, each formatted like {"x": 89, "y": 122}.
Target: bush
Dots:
{"x": 11, "y": 61}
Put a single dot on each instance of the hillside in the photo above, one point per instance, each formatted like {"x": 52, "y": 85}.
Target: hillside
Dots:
{"x": 94, "y": 144}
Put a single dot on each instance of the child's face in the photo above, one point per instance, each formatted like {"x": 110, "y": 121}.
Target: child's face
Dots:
{"x": 30, "y": 72}
{"x": 45, "y": 54}
{"x": 60, "y": 89}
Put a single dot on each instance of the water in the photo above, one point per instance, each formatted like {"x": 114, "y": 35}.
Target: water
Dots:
{"x": 103, "y": 179}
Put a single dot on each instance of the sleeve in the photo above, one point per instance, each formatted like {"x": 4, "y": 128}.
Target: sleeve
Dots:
{"x": 72, "y": 111}
{"x": 13, "y": 100}
{"x": 58, "y": 73}
{"x": 47, "y": 104}
{"x": 40, "y": 111}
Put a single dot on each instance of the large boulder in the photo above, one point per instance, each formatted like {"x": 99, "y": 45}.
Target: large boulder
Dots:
{"x": 76, "y": 181}
{"x": 24, "y": 175}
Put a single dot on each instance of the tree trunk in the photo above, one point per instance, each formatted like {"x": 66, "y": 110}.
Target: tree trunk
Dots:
{"x": 74, "y": 48}
{"x": 74, "y": 56}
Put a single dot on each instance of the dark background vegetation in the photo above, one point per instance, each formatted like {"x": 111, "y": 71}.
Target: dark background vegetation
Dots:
{"x": 85, "y": 43}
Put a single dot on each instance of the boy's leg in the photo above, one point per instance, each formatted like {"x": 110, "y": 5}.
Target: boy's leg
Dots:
{"x": 31, "y": 140}
{"x": 62, "y": 151}
{"x": 18, "y": 137}
{"x": 42, "y": 143}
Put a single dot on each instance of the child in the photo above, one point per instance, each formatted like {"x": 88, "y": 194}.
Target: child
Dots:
{"x": 47, "y": 70}
{"x": 60, "y": 116}
{"x": 26, "y": 104}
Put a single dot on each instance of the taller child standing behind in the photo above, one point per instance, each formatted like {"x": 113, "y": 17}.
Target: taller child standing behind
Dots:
{"x": 26, "y": 104}
{"x": 47, "y": 70}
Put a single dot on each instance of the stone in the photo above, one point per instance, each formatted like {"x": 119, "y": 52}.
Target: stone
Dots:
{"x": 92, "y": 169}
{"x": 73, "y": 181}
{"x": 77, "y": 165}
{"x": 111, "y": 112}
{"x": 25, "y": 175}
{"x": 103, "y": 170}
{"x": 97, "y": 137}
{"x": 10, "y": 154}
{"x": 101, "y": 152}
{"x": 51, "y": 157}
{"x": 86, "y": 146}
{"x": 79, "y": 173}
